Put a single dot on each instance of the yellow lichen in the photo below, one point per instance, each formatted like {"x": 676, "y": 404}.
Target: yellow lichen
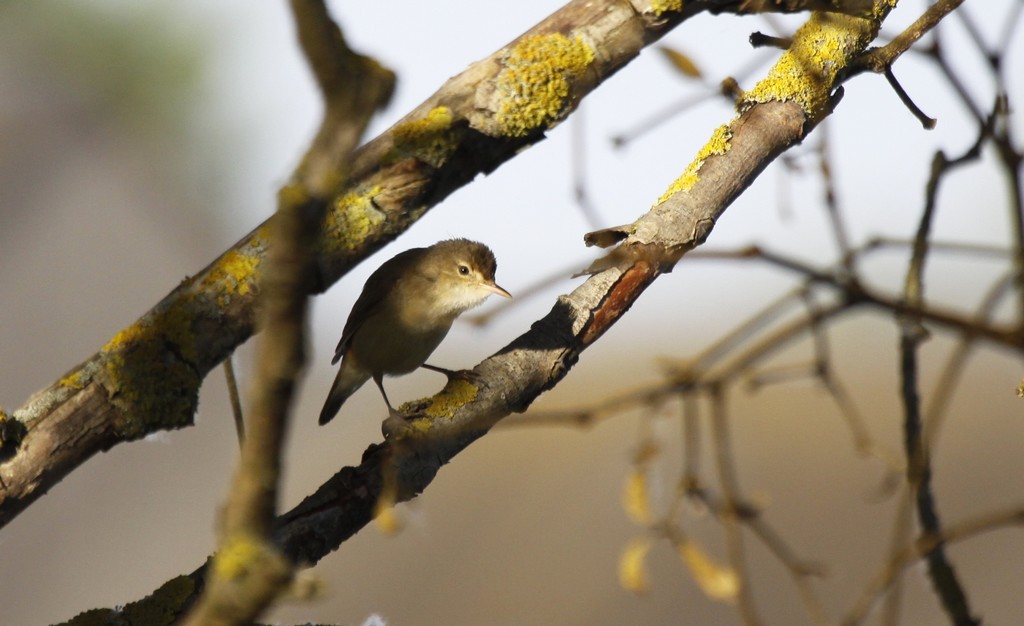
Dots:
{"x": 420, "y": 425}
{"x": 429, "y": 138}
{"x": 455, "y": 395}
{"x": 536, "y": 81}
{"x": 806, "y": 73}
{"x": 881, "y": 9}
{"x": 72, "y": 380}
{"x": 351, "y": 219}
{"x": 239, "y": 554}
{"x": 261, "y": 235}
{"x": 124, "y": 337}
{"x": 235, "y": 272}
{"x": 664, "y": 6}
{"x": 717, "y": 145}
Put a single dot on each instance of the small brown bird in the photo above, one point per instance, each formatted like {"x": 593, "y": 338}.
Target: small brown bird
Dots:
{"x": 406, "y": 308}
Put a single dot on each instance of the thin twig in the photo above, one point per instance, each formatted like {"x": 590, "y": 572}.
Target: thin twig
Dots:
{"x": 919, "y": 471}
{"x": 879, "y": 59}
{"x": 236, "y": 402}
{"x": 731, "y": 511}
{"x": 928, "y": 123}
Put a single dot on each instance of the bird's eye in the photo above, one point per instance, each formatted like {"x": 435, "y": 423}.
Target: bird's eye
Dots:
{"x": 464, "y": 270}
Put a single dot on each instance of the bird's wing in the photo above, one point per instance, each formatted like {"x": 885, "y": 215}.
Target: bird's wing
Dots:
{"x": 375, "y": 291}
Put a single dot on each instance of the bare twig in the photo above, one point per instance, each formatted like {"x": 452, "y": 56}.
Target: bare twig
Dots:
{"x": 919, "y": 470}
{"x": 236, "y": 402}
{"x": 731, "y": 513}
{"x": 879, "y": 60}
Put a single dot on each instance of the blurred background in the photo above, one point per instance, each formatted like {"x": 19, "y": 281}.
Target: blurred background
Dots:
{"x": 139, "y": 139}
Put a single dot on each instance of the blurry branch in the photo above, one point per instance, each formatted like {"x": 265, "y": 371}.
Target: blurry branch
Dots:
{"x": 910, "y": 554}
{"x": 248, "y": 571}
{"x": 727, "y": 89}
{"x": 950, "y": 375}
{"x": 739, "y": 351}
{"x": 919, "y": 469}
{"x": 726, "y": 467}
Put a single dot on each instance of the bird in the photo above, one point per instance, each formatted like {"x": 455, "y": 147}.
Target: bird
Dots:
{"x": 406, "y": 308}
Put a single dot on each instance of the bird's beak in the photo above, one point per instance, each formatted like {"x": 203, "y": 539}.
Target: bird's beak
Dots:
{"x": 493, "y": 287}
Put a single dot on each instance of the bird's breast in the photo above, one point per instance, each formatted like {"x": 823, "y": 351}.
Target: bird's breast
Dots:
{"x": 391, "y": 344}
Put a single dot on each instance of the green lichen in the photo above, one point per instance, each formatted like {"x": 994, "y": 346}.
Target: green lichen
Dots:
{"x": 351, "y": 219}
{"x": 658, "y": 7}
{"x": 163, "y": 606}
{"x": 429, "y": 139}
{"x": 536, "y": 81}
{"x": 806, "y": 73}
{"x": 150, "y": 372}
{"x": 717, "y": 145}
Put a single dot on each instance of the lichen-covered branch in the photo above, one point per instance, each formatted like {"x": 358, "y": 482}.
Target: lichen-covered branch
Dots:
{"x": 147, "y": 377}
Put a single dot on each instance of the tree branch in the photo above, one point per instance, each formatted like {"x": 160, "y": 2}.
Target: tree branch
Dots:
{"x": 248, "y": 570}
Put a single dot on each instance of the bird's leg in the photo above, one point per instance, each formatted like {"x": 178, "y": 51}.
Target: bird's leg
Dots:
{"x": 467, "y": 375}
{"x": 379, "y": 379}
{"x": 395, "y": 422}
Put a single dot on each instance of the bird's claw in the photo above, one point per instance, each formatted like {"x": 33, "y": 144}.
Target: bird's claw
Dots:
{"x": 395, "y": 425}
{"x": 470, "y": 376}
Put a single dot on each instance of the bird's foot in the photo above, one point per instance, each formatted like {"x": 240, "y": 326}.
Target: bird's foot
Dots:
{"x": 395, "y": 425}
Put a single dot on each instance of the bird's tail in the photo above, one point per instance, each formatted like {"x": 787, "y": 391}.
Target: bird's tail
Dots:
{"x": 348, "y": 380}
